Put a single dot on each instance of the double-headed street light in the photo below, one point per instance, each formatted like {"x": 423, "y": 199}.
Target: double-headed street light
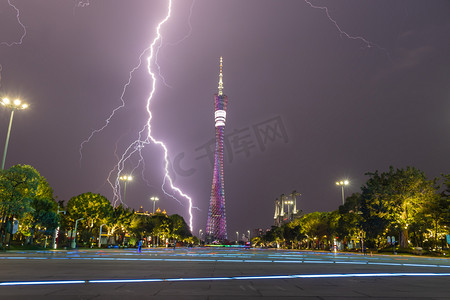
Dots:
{"x": 125, "y": 179}
{"x": 154, "y": 199}
{"x": 15, "y": 105}
{"x": 342, "y": 183}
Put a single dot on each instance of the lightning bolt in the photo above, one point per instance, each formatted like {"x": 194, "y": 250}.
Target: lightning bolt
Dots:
{"x": 175, "y": 43}
{"x": 81, "y": 4}
{"x": 368, "y": 44}
{"x": 21, "y": 38}
{"x": 21, "y": 24}
{"x": 167, "y": 178}
{"x": 145, "y": 136}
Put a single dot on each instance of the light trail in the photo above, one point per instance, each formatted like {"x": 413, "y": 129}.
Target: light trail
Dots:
{"x": 140, "y": 258}
{"x": 262, "y": 277}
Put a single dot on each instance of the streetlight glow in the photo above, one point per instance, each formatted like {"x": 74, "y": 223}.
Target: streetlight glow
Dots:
{"x": 154, "y": 199}
{"x": 342, "y": 183}
{"x": 16, "y": 105}
{"x": 125, "y": 178}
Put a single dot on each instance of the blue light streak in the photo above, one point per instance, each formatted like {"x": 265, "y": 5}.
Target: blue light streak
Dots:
{"x": 264, "y": 277}
{"x": 42, "y": 282}
{"x": 191, "y": 258}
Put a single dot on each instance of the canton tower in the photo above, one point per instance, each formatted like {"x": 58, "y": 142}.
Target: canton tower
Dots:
{"x": 216, "y": 227}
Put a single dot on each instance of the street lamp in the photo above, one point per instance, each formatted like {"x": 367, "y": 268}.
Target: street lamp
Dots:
{"x": 237, "y": 237}
{"x": 55, "y": 235}
{"x": 154, "y": 199}
{"x": 342, "y": 183}
{"x": 125, "y": 179}
{"x": 15, "y": 105}
{"x": 74, "y": 241}
{"x": 100, "y": 236}
{"x": 248, "y": 231}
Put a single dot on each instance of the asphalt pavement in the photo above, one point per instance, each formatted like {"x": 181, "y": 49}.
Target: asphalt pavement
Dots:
{"x": 205, "y": 273}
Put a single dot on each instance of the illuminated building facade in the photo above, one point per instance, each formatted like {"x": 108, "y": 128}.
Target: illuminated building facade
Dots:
{"x": 286, "y": 209}
{"x": 216, "y": 226}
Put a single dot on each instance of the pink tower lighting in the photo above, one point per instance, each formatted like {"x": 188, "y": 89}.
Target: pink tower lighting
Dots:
{"x": 216, "y": 227}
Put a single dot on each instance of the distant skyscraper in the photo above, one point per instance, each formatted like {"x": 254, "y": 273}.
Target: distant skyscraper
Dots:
{"x": 216, "y": 227}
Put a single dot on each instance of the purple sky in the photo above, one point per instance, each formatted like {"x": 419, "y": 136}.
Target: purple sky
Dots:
{"x": 342, "y": 108}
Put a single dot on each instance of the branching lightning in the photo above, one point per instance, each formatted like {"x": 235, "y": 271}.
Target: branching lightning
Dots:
{"x": 145, "y": 134}
{"x": 167, "y": 177}
{"x": 367, "y": 43}
{"x": 21, "y": 24}
{"x": 21, "y": 38}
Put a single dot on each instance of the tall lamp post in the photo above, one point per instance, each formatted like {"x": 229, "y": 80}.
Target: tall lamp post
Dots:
{"x": 125, "y": 179}
{"x": 15, "y": 105}
{"x": 154, "y": 199}
{"x": 55, "y": 235}
{"x": 100, "y": 236}
{"x": 342, "y": 183}
{"x": 237, "y": 237}
{"x": 74, "y": 241}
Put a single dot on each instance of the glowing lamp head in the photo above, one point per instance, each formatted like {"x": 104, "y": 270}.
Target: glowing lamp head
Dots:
{"x": 17, "y": 102}
{"x": 126, "y": 178}
{"x": 5, "y": 101}
{"x": 342, "y": 182}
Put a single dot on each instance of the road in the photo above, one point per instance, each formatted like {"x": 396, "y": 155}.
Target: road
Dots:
{"x": 205, "y": 273}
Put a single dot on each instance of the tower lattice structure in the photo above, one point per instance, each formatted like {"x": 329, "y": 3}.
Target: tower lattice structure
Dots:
{"x": 216, "y": 227}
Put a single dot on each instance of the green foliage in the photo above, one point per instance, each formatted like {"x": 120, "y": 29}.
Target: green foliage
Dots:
{"x": 18, "y": 187}
{"x": 120, "y": 218}
{"x": 178, "y": 227}
{"x": 394, "y": 199}
{"x": 93, "y": 208}
{"x": 400, "y": 202}
{"x": 27, "y": 196}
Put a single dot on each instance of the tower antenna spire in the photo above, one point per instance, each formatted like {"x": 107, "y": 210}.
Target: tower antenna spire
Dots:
{"x": 221, "y": 77}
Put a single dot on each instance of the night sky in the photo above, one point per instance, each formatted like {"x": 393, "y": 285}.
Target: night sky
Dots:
{"x": 308, "y": 105}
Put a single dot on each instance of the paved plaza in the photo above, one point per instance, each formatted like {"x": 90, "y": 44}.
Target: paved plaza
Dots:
{"x": 217, "y": 273}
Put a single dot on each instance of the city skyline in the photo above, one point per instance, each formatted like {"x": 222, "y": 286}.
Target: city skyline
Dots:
{"x": 311, "y": 106}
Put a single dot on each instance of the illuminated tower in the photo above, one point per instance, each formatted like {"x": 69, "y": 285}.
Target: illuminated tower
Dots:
{"x": 216, "y": 227}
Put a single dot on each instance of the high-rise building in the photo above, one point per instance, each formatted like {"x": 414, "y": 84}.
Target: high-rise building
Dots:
{"x": 286, "y": 209}
{"x": 216, "y": 227}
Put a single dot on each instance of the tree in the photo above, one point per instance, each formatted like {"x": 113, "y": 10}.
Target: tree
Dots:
{"x": 179, "y": 230}
{"x": 350, "y": 220}
{"x": 18, "y": 186}
{"x": 394, "y": 199}
{"x": 315, "y": 226}
{"x": 119, "y": 221}
{"x": 93, "y": 208}
{"x": 438, "y": 209}
{"x": 44, "y": 209}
